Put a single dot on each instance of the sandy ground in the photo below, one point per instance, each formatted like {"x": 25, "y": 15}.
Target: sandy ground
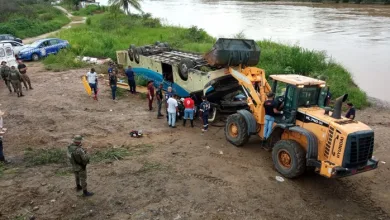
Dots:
{"x": 174, "y": 174}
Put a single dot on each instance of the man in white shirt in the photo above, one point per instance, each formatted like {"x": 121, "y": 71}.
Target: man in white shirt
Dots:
{"x": 172, "y": 111}
{"x": 92, "y": 81}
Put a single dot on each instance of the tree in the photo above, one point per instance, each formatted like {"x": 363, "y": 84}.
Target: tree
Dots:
{"x": 125, "y": 4}
{"x": 74, "y": 3}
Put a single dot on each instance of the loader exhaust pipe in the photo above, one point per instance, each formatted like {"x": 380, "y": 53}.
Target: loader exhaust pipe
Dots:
{"x": 338, "y": 105}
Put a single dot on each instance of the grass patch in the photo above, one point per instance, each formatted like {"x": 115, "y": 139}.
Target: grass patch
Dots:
{"x": 121, "y": 92}
{"x": 35, "y": 157}
{"x": 143, "y": 95}
{"x": 64, "y": 172}
{"x": 30, "y": 18}
{"x": 90, "y": 10}
{"x": 149, "y": 166}
{"x": 110, "y": 154}
{"x": 64, "y": 60}
{"x": 2, "y": 169}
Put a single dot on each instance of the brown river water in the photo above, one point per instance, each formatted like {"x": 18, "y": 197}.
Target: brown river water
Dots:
{"x": 357, "y": 36}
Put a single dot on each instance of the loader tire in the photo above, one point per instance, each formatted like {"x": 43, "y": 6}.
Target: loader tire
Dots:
{"x": 289, "y": 158}
{"x": 236, "y": 130}
{"x": 184, "y": 66}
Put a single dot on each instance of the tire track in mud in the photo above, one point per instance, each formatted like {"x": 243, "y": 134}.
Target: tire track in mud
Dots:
{"x": 210, "y": 179}
{"x": 363, "y": 199}
{"x": 243, "y": 164}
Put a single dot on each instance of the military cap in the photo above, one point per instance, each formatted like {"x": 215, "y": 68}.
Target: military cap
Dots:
{"x": 77, "y": 138}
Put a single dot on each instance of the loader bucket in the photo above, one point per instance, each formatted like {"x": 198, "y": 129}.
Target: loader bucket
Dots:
{"x": 233, "y": 52}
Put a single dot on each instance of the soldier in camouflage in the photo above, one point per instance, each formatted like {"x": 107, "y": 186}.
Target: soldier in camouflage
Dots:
{"x": 79, "y": 160}
{"x": 5, "y": 72}
{"x": 16, "y": 80}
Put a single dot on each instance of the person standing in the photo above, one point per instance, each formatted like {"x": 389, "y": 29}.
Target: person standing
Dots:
{"x": 189, "y": 105}
{"x": 204, "y": 113}
{"x": 172, "y": 111}
{"x": 271, "y": 110}
{"x": 150, "y": 94}
{"x": 131, "y": 79}
{"x": 168, "y": 95}
{"x": 159, "y": 98}
{"x": 79, "y": 160}
{"x": 113, "y": 84}
{"x": 5, "y": 72}
{"x": 92, "y": 81}
{"x": 16, "y": 81}
{"x": 351, "y": 111}
{"x": 23, "y": 73}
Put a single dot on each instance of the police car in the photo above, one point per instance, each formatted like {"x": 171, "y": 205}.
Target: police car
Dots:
{"x": 42, "y": 48}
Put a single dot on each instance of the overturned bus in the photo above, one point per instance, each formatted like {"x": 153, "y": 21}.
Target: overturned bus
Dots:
{"x": 194, "y": 74}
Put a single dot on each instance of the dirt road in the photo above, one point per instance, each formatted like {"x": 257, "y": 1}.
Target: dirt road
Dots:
{"x": 170, "y": 173}
{"x": 75, "y": 20}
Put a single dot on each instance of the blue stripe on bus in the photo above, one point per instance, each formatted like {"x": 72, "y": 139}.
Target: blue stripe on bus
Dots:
{"x": 158, "y": 79}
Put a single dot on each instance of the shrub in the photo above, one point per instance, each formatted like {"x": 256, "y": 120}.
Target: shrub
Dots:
{"x": 62, "y": 61}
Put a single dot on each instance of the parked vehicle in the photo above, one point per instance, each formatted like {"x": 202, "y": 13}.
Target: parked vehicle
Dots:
{"x": 42, "y": 48}
{"x": 7, "y": 54}
{"x": 9, "y": 37}
{"x": 17, "y": 47}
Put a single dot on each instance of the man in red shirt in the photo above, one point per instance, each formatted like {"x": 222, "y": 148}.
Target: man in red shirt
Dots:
{"x": 188, "y": 111}
{"x": 150, "y": 94}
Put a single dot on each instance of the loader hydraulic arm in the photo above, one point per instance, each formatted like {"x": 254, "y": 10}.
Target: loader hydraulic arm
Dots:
{"x": 250, "y": 78}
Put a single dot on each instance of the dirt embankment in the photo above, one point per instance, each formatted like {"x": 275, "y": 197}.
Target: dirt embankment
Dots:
{"x": 170, "y": 173}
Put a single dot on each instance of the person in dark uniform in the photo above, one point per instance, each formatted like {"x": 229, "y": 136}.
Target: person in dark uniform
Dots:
{"x": 271, "y": 110}
{"x": 204, "y": 113}
{"x": 113, "y": 84}
{"x": 159, "y": 98}
{"x": 351, "y": 111}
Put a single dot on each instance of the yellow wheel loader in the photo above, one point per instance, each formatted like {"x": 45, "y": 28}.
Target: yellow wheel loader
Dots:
{"x": 307, "y": 134}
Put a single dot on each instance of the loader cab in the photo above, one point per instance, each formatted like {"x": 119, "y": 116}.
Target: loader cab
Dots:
{"x": 295, "y": 91}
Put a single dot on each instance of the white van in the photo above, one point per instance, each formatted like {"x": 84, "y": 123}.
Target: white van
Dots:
{"x": 7, "y": 54}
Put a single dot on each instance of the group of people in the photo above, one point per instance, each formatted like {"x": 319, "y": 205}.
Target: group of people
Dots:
{"x": 172, "y": 103}
{"x": 92, "y": 79}
{"x": 14, "y": 77}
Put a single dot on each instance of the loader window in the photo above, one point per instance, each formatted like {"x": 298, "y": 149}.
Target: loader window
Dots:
{"x": 308, "y": 96}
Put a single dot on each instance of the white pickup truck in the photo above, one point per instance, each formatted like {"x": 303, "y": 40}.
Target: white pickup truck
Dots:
{"x": 7, "y": 54}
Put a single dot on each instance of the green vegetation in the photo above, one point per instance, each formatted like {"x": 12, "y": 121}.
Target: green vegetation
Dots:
{"x": 114, "y": 31}
{"x": 28, "y": 18}
{"x": 62, "y": 61}
{"x": 119, "y": 153}
{"x": 277, "y": 58}
{"x": 2, "y": 168}
{"x": 34, "y": 157}
{"x": 110, "y": 154}
{"x": 90, "y": 10}
{"x": 109, "y": 32}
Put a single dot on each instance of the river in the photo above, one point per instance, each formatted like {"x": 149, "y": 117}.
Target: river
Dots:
{"x": 357, "y": 36}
